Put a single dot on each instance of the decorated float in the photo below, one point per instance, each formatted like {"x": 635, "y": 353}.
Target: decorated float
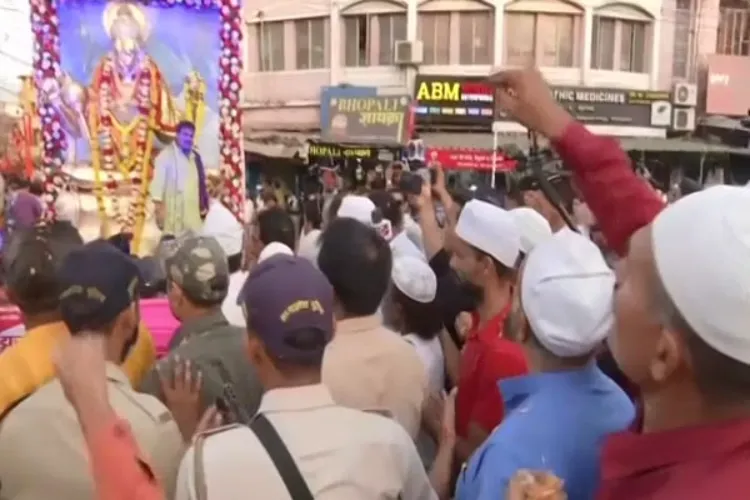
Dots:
{"x": 113, "y": 79}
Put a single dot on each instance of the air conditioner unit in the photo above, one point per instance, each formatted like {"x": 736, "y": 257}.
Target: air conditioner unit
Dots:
{"x": 683, "y": 119}
{"x": 408, "y": 52}
{"x": 685, "y": 94}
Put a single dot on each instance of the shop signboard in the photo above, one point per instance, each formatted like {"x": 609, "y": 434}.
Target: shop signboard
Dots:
{"x": 469, "y": 159}
{"x": 602, "y": 106}
{"x": 453, "y": 102}
{"x": 368, "y": 120}
{"x": 327, "y": 93}
{"x": 319, "y": 150}
{"x": 442, "y": 101}
{"x": 727, "y": 89}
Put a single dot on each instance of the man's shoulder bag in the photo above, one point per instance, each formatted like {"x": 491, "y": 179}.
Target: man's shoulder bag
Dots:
{"x": 281, "y": 458}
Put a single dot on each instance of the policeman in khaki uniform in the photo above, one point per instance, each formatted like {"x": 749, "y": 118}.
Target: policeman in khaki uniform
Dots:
{"x": 339, "y": 453}
{"x": 42, "y": 451}
{"x": 197, "y": 275}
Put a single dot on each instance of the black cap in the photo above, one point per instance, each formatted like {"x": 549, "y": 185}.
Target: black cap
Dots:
{"x": 288, "y": 303}
{"x": 97, "y": 283}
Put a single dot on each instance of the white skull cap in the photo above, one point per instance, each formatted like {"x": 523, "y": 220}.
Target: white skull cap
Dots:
{"x": 414, "y": 278}
{"x": 532, "y": 226}
{"x": 701, "y": 247}
{"x": 567, "y": 292}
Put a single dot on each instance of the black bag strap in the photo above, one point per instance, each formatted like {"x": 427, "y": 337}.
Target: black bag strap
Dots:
{"x": 281, "y": 458}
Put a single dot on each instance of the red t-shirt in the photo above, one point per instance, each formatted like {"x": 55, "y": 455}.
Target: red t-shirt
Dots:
{"x": 486, "y": 358}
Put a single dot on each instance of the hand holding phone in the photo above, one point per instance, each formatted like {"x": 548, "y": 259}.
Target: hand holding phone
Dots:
{"x": 411, "y": 183}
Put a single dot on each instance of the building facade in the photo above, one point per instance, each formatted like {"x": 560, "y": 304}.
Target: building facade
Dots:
{"x": 294, "y": 48}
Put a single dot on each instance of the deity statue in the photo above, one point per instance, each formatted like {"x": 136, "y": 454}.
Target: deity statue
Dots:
{"x": 125, "y": 115}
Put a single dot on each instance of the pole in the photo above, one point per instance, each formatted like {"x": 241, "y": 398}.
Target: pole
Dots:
{"x": 494, "y": 158}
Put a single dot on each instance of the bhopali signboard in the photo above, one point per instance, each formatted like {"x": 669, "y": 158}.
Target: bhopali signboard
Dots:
{"x": 367, "y": 120}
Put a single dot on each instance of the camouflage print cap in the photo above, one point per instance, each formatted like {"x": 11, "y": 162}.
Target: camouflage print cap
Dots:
{"x": 198, "y": 265}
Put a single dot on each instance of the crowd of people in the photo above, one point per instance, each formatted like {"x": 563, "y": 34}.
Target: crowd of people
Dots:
{"x": 406, "y": 345}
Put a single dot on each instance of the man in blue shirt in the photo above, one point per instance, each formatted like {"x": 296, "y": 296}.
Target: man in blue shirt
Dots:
{"x": 558, "y": 416}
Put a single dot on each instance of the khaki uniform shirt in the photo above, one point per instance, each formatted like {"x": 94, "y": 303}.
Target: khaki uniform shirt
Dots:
{"x": 217, "y": 350}
{"x": 369, "y": 367}
{"x": 43, "y": 453}
{"x": 342, "y": 454}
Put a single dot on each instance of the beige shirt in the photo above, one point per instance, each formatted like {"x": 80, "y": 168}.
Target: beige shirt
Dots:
{"x": 42, "y": 450}
{"x": 342, "y": 454}
{"x": 369, "y": 367}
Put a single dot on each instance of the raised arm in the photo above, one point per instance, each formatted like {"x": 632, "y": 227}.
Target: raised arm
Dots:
{"x": 620, "y": 201}
{"x": 119, "y": 471}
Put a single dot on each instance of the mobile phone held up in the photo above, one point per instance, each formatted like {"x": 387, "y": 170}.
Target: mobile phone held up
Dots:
{"x": 411, "y": 183}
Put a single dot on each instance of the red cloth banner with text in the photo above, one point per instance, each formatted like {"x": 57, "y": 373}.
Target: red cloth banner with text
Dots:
{"x": 469, "y": 159}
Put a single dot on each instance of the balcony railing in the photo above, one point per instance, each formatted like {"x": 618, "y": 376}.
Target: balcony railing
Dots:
{"x": 733, "y": 37}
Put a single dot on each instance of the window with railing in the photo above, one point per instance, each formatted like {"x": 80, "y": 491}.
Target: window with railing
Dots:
{"x": 434, "y": 30}
{"x": 312, "y": 49}
{"x": 391, "y": 29}
{"x": 683, "y": 39}
{"x": 370, "y": 40}
{"x": 620, "y": 45}
{"x": 733, "y": 34}
{"x": 476, "y": 37}
{"x": 270, "y": 46}
{"x": 357, "y": 40}
{"x": 546, "y": 40}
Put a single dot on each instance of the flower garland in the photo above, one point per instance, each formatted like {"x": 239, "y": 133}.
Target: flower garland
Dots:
{"x": 230, "y": 127}
{"x": 46, "y": 30}
{"x": 131, "y": 164}
{"x": 45, "y": 25}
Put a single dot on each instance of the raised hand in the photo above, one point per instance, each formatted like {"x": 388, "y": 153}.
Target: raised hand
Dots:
{"x": 525, "y": 96}
{"x": 182, "y": 391}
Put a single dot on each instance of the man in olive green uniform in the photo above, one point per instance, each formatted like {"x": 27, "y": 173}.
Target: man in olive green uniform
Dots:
{"x": 197, "y": 275}
{"x": 42, "y": 450}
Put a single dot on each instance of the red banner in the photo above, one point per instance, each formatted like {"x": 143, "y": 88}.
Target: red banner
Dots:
{"x": 468, "y": 159}
{"x": 727, "y": 89}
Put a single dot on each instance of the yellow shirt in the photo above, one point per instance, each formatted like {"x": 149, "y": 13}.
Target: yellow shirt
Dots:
{"x": 27, "y": 364}
{"x": 177, "y": 186}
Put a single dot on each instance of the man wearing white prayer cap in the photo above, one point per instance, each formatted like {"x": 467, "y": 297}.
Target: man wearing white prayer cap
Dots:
{"x": 486, "y": 252}
{"x": 533, "y": 227}
{"x": 356, "y": 207}
{"x": 683, "y": 337}
{"x": 362, "y": 209}
{"x": 411, "y": 309}
{"x": 558, "y": 415}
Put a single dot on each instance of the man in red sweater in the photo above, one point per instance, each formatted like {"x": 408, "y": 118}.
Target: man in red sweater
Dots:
{"x": 681, "y": 310}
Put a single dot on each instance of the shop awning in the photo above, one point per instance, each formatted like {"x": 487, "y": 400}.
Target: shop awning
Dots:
{"x": 276, "y": 144}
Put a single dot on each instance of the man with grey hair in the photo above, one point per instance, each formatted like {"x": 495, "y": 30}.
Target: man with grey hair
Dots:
{"x": 197, "y": 276}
